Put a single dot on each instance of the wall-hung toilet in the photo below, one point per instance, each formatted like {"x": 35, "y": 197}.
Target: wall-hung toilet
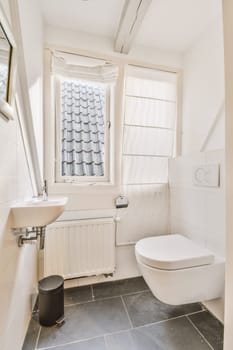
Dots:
{"x": 178, "y": 271}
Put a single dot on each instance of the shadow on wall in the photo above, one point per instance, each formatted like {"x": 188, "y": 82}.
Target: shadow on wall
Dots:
{"x": 17, "y": 277}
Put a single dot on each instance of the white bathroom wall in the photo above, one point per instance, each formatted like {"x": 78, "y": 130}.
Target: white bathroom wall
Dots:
{"x": 33, "y": 45}
{"x": 199, "y": 212}
{"x": 203, "y": 91}
{"x": 18, "y": 266}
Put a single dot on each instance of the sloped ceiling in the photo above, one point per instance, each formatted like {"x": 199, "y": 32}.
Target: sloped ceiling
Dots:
{"x": 99, "y": 17}
{"x": 167, "y": 24}
{"x": 176, "y": 24}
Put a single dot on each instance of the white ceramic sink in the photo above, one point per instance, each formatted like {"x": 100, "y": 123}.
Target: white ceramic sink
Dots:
{"x": 37, "y": 212}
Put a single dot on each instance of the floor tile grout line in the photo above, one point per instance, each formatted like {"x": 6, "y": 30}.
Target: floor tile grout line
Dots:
{"x": 199, "y": 332}
{"x": 105, "y": 298}
{"x": 37, "y": 338}
{"x": 118, "y": 332}
{"x": 79, "y": 303}
{"x": 168, "y": 319}
{"x": 194, "y": 312}
{"x": 122, "y": 295}
{"x": 69, "y": 343}
{"x": 137, "y": 292}
{"x": 158, "y": 322}
{"x": 115, "y": 297}
{"x": 126, "y": 310}
{"x": 92, "y": 301}
{"x": 123, "y": 331}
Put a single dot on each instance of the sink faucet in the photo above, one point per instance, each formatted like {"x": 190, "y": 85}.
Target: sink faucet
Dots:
{"x": 45, "y": 191}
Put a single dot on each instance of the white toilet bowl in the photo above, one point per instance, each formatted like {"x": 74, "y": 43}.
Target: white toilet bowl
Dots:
{"x": 178, "y": 271}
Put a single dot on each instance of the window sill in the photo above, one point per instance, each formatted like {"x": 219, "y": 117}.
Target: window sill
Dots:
{"x": 84, "y": 184}
{"x": 81, "y": 187}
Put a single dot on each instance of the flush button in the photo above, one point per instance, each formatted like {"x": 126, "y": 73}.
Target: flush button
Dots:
{"x": 206, "y": 175}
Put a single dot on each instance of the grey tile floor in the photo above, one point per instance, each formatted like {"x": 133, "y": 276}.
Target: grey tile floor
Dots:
{"x": 124, "y": 315}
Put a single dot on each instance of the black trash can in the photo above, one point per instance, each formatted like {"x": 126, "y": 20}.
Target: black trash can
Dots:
{"x": 51, "y": 300}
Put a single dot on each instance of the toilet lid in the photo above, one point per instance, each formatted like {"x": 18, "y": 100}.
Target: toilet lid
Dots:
{"x": 171, "y": 252}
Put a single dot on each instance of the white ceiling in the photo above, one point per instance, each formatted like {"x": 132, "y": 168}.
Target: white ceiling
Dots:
{"x": 99, "y": 17}
{"x": 175, "y": 24}
{"x": 168, "y": 24}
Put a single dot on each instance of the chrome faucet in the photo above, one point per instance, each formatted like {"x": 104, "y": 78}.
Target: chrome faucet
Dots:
{"x": 45, "y": 191}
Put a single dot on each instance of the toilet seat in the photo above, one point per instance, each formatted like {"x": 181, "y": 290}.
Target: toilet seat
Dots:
{"x": 178, "y": 271}
{"x": 172, "y": 252}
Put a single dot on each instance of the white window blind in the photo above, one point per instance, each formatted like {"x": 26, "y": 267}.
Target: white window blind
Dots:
{"x": 149, "y": 126}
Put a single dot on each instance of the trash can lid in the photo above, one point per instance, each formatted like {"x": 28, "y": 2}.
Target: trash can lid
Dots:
{"x": 51, "y": 283}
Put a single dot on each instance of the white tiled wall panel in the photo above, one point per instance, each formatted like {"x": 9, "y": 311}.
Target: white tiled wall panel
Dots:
{"x": 198, "y": 212}
{"x": 146, "y": 215}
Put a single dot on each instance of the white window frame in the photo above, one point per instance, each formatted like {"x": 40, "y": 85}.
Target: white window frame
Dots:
{"x": 116, "y": 118}
{"x": 58, "y": 154}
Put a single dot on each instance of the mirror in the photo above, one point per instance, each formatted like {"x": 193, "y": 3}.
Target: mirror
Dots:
{"x": 7, "y": 67}
{"x": 5, "y": 61}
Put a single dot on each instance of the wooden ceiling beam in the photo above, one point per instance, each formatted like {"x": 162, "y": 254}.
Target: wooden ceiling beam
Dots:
{"x": 130, "y": 22}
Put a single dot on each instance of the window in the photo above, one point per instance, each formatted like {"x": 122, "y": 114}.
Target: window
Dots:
{"x": 84, "y": 91}
{"x": 149, "y": 126}
{"x": 83, "y": 119}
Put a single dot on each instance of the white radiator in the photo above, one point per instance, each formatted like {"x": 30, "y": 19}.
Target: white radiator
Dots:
{"x": 80, "y": 248}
